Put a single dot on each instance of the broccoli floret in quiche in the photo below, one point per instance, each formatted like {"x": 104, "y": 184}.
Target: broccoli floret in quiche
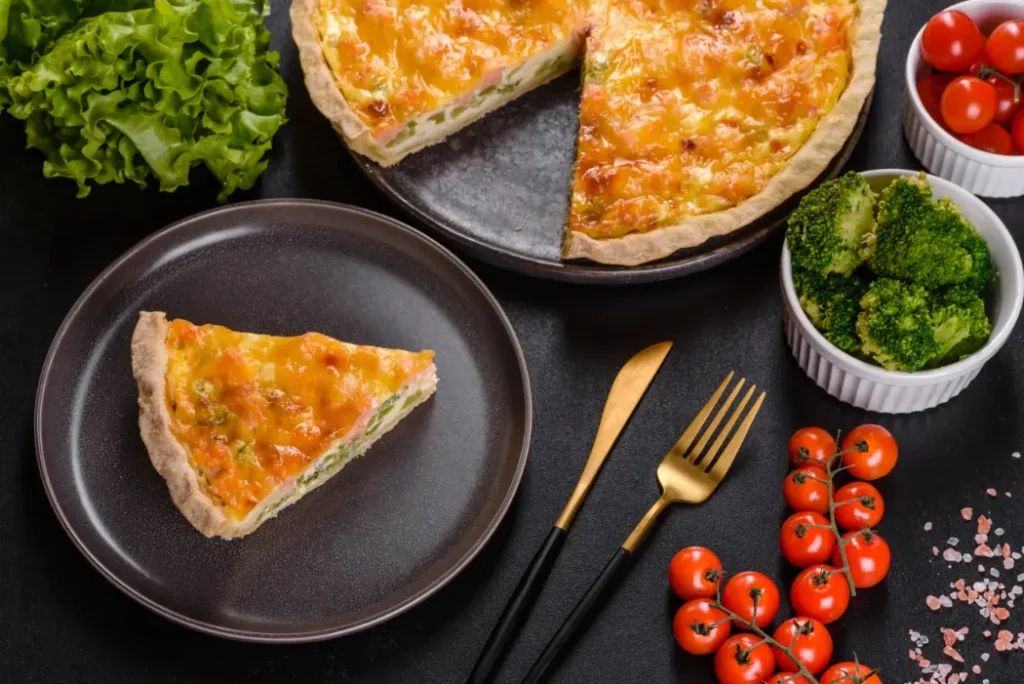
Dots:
{"x": 832, "y": 303}
{"x": 826, "y": 231}
{"x": 925, "y": 242}
{"x": 895, "y": 325}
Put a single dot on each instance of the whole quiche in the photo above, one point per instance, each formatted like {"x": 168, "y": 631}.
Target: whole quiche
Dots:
{"x": 696, "y": 116}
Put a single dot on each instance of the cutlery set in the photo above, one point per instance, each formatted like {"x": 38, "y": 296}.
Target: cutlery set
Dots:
{"x": 689, "y": 473}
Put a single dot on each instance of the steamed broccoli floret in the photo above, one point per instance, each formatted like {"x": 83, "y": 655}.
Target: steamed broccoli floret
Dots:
{"x": 960, "y": 324}
{"x": 832, "y": 303}
{"x": 895, "y": 325}
{"x": 826, "y": 230}
{"x": 922, "y": 241}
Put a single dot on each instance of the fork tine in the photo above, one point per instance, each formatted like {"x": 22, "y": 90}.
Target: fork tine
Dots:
{"x": 696, "y": 457}
{"x": 682, "y": 446}
{"x": 716, "y": 448}
{"x": 724, "y": 462}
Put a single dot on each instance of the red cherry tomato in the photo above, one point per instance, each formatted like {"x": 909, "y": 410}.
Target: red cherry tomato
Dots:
{"x": 870, "y": 452}
{"x": 739, "y": 661}
{"x": 787, "y": 678}
{"x": 992, "y": 138}
{"x": 951, "y": 41}
{"x": 868, "y": 555}
{"x": 968, "y": 104}
{"x": 930, "y": 89}
{"x": 694, "y": 573}
{"x": 1018, "y": 132}
{"x": 866, "y": 509}
{"x": 1007, "y": 100}
{"x": 805, "y": 490}
{"x": 806, "y": 539}
{"x": 746, "y": 589}
{"x": 808, "y": 640}
{"x": 849, "y": 673}
{"x": 700, "y": 628}
{"x": 981, "y": 63}
{"x": 820, "y": 592}
{"x": 1005, "y": 47}
{"x": 811, "y": 444}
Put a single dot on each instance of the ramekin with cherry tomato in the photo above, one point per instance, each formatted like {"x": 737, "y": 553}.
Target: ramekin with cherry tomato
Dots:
{"x": 975, "y": 91}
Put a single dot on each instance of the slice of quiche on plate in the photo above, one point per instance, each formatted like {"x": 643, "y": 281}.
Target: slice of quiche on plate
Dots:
{"x": 242, "y": 425}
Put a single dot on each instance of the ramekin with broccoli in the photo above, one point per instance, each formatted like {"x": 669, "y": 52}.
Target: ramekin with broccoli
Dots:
{"x": 898, "y": 278}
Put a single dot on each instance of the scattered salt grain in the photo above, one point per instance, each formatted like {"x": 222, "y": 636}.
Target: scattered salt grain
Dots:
{"x": 991, "y": 492}
{"x": 967, "y": 512}
{"x": 1015, "y": 454}
{"x": 1000, "y": 531}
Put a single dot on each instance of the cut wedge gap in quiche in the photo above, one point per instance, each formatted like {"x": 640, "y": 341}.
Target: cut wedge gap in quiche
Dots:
{"x": 242, "y": 425}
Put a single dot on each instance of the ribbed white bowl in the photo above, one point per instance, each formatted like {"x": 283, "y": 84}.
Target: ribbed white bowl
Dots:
{"x": 982, "y": 173}
{"x": 872, "y": 388}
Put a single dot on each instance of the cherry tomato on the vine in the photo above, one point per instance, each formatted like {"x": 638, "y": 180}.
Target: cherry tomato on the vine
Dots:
{"x": 747, "y": 589}
{"x": 805, "y": 489}
{"x": 968, "y": 104}
{"x": 740, "y": 661}
{"x": 806, "y": 538}
{"x": 951, "y": 41}
{"x": 809, "y": 642}
{"x": 993, "y": 139}
{"x": 820, "y": 592}
{"x": 694, "y": 573}
{"x": 700, "y": 628}
{"x": 1007, "y": 99}
{"x": 979, "y": 64}
{"x": 787, "y": 678}
{"x": 865, "y": 510}
{"x": 1017, "y": 130}
{"x": 811, "y": 444}
{"x": 849, "y": 673}
{"x": 868, "y": 555}
{"x": 878, "y": 457}
{"x": 1005, "y": 47}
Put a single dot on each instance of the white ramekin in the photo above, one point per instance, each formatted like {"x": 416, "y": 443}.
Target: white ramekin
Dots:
{"x": 982, "y": 173}
{"x": 872, "y": 388}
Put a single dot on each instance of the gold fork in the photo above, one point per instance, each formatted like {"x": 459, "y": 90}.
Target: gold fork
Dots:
{"x": 689, "y": 473}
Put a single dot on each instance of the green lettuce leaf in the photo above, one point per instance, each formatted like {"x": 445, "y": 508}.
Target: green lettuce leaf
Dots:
{"x": 129, "y": 95}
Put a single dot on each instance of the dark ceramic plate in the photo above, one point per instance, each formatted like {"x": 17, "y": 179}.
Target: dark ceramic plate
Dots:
{"x": 499, "y": 188}
{"x": 386, "y": 532}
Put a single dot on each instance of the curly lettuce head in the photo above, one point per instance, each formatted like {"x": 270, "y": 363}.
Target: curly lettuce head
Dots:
{"x": 131, "y": 95}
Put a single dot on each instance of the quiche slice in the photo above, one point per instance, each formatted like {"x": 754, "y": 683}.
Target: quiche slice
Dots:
{"x": 394, "y": 76}
{"x": 242, "y": 425}
{"x": 698, "y": 117}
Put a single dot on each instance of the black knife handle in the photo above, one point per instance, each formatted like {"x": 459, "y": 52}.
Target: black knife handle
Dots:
{"x": 518, "y": 607}
{"x": 598, "y": 592}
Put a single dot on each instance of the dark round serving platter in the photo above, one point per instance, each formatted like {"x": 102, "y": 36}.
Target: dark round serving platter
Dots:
{"x": 499, "y": 188}
{"x": 393, "y": 526}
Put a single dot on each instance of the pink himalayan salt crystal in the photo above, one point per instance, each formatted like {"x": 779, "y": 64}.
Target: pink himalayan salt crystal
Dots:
{"x": 933, "y": 602}
{"x": 991, "y": 492}
{"x": 967, "y": 512}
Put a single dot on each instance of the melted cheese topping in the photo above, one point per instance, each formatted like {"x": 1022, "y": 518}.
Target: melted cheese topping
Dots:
{"x": 396, "y": 59}
{"x": 254, "y": 411}
{"x": 691, "y": 106}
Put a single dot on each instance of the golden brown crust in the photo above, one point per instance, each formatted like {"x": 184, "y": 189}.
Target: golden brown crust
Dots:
{"x": 806, "y": 165}
{"x": 149, "y": 365}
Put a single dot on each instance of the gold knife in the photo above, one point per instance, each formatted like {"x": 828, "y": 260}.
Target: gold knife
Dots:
{"x": 628, "y": 388}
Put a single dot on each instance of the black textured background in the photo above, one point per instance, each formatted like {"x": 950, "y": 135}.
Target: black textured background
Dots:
{"x": 61, "y": 622}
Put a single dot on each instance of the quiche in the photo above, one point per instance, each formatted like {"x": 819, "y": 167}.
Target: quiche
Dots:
{"x": 697, "y": 117}
{"x": 242, "y": 425}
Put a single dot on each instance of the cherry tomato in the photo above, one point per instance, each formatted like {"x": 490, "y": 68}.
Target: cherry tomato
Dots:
{"x": 739, "y": 661}
{"x": 992, "y": 138}
{"x": 806, "y": 538}
{"x": 868, "y": 555}
{"x": 1005, "y": 47}
{"x": 820, "y": 592}
{"x": 876, "y": 460}
{"x": 808, "y": 640}
{"x": 787, "y": 678}
{"x": 1007, "y": 100}
{"x": 930, "y": 89}
{"x": 1018, "y": 132}
{"x": 968, "y": 104}
{"x": 694, "y": 573}
{"x": 805, "y": 490}
{"x": 850, "y": 673}
{"x": 700, "y": 628}
{"x": 867, "y": 508}
{"x": 951, "y": 41}
{"x": 811, "y": 444}
{"x": 741, "y": 593}
{"x": 979, "y": 64}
